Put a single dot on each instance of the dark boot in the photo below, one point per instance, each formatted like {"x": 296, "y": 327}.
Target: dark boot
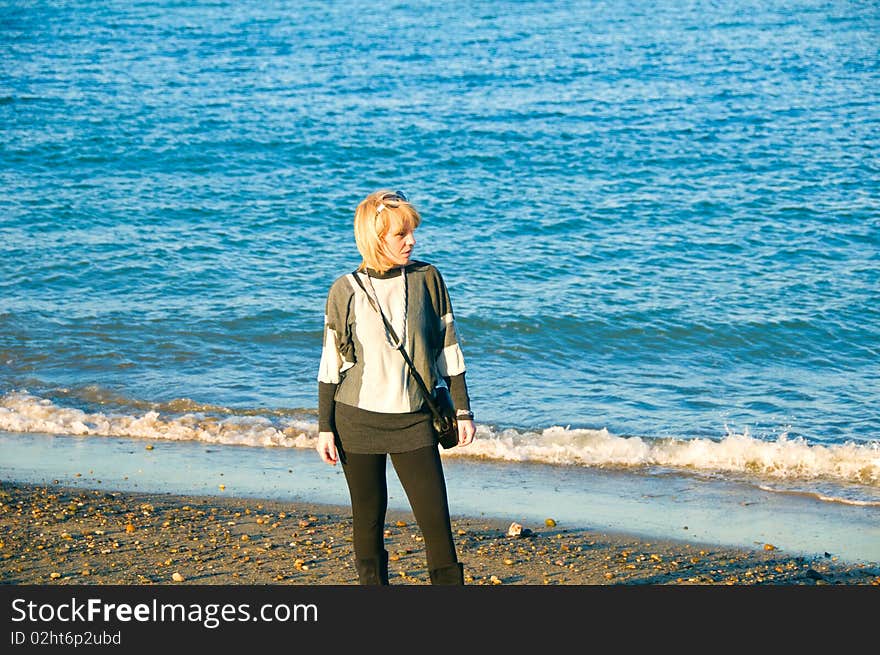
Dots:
{"x": 448, "y": 575}
{"x": 373, "y": 571}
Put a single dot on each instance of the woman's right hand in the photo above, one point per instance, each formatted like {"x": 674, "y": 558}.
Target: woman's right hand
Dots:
{"x": 326, "y": 447}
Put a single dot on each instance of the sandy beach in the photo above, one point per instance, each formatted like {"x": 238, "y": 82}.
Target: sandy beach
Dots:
{"x": 55, "y": 536}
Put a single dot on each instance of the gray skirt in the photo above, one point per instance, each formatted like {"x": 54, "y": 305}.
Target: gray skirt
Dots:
{"x": 371, "y": 433}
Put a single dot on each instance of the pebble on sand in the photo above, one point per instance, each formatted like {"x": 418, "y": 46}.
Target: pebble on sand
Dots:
{"x": 177, "y": 577}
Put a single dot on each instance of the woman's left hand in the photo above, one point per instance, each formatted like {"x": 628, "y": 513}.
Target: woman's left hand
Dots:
{"x": 466, "y": 431}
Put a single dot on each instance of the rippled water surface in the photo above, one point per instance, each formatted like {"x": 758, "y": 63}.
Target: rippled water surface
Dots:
{"x": 661, "y": 221}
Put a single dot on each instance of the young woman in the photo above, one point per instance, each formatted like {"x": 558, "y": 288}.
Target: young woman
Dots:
{"x": 369, "y": 405}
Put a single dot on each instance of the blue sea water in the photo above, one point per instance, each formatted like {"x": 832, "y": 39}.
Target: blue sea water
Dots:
{"x": 659, "y": 222}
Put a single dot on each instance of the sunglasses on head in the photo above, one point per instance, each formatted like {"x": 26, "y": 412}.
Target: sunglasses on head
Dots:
{"x": 390, "y": 199}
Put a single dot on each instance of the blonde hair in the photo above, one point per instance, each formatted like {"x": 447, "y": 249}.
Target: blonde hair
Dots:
{"x": 373, "y": 219}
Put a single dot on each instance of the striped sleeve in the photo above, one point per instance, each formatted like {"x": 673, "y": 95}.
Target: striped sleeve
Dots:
{"x": 336, "y": 353}
{"x": 450, "y": 359}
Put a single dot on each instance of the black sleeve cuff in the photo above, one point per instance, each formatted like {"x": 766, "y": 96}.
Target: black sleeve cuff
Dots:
{"x": 326, "y": 393}
{"x": 459, "y": 392}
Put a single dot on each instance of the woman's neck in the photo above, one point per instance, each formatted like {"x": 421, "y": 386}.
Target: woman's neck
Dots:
{"x": 390, "y": 272}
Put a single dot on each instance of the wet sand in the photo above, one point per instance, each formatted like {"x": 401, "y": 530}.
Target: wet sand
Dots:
{"x": 55, "y": 536}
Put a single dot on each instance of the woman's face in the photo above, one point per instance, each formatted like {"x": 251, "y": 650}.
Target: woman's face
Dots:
{"x": 399, "y": 244}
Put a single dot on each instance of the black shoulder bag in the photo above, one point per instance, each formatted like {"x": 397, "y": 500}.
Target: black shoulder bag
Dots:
{"x": 444, "y": 422}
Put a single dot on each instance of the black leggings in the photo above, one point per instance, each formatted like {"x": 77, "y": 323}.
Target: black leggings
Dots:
{"x": 421, "y": 474}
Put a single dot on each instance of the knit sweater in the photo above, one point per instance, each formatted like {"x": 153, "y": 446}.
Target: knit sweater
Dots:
{"x": 360, "y": 365}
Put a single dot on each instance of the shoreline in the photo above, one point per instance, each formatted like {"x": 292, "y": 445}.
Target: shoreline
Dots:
{"x": 57, "y": 535}
{"x": 654, "y": 507}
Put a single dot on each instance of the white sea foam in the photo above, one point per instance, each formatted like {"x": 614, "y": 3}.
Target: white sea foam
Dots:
{"x": 23, "y": 412}
{"x": 781, "y": 459}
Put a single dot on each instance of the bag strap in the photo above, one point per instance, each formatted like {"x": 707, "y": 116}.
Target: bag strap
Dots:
{"x": 412, "y": 368}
